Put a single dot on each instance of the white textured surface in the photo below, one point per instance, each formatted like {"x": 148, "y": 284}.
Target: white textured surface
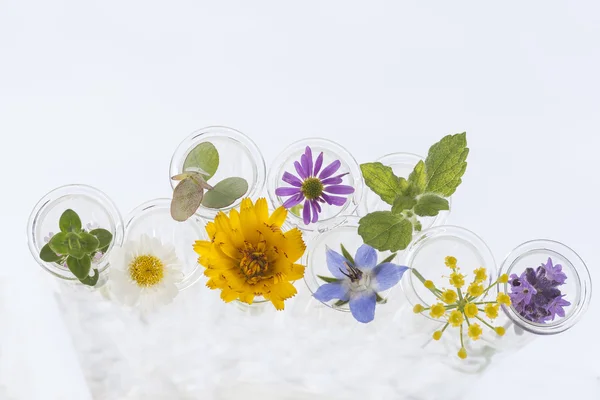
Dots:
{"x": 118, "y": 85}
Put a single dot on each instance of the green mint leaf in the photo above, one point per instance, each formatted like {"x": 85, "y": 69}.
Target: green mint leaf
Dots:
{"x": 187, "y": 197}
{"x": 381, "y": 180}
{"x": 80, "y": 267}
{"x": 224, "y": 193}
{"x": 418, "y": 226}
{"x": 91, "y": 280}
{"x": 446, "y": 164}
{"x": 346, "y": 254}
{"x": 205, "y": 157}
{"x": 328, "y": 279}
{"x": 384, "y": 230}
{"x": 430, "y": 205}
{"x": 69, "y": 222}
{"x": 403, "y": 203}
{"x": 89, "y": 243}
{"x": 418, "y": 178}
{"x": 388, "y": 259}
{"x": 46, "y": 254}
{"x": 340, "y": 303}
{"x": 59, "y": 243}
{"x": 104, "y": 238}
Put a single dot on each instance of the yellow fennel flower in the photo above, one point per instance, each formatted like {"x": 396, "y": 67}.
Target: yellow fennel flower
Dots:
{"x": 491, "y": 311}
{"x": 418, "y": 309}
{"x": 503, "y": 278}
{"x": 503, "y": 298}
{"x": 437, "y": 335}
{"x": 462, "y": 353}
{"x": 475, "y": 331}
{"x": 451, "y": 262}
{"x": 456, "y": 318}
{"x": 480, "y": 274}
{"x": 500, "y": 331}
{"x": 457, "y": 279}
{"x": 248, "y": 254}
{"x": 475, "y": 289}
{"x": 437, "y": 310}
{"x": 471, "y": 310}
{"x": 449, "y": 296}
{"x": 429, "y": 284}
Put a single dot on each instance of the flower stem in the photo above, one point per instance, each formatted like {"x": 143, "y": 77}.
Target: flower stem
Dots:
{"x": 436, "y": 292}
{"x": 488, "y": 325}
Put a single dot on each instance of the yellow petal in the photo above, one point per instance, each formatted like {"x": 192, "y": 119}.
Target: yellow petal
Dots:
{"x": 202, "y": 247}
{"x": 247, "y": 298}
{"x": 249, "y": 223}
{"x": 228, "y": 295}
{"x": 296, "y": 272}
{"x": 261, "y": 209}
{"x": 293, "y": 246}
{"x": 211, "y": 229}
{"x": 278, "y": 217}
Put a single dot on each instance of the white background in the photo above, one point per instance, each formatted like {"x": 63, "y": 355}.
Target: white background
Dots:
{"x": 102, "y": 92}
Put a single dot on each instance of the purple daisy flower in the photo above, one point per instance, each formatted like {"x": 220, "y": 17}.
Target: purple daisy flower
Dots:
{"x": 314, "y": 185}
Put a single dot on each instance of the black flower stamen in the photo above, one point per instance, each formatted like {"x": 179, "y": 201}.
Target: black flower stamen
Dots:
{"x": 354, "y": 274}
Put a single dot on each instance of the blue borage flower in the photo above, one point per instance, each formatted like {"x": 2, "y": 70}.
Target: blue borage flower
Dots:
{"x": 357, "y": 281}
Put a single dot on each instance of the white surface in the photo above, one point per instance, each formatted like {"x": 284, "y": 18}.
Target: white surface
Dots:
{"x": 103, "y": 93}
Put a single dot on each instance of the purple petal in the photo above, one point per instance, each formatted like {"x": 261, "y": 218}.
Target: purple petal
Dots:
{"x": 362, "y": 306}
{"x": 315, "y": 211}
{"x": 330, "y": 169}
{"x": 366, "y": 257}
{"x": 299, "y": 170}
{"x": 305, "y": 164}
{"x": 339, "y": 189}
{"x": 334, "y": 200}
{"x": 387, "y": 275}
{"x": 336, "y": 263}
{"x": 291, "y": 179}
{"x": 293, "y": 201}
{"x": 306, "y": 212}
{"x": 318, "y": 164}
{"x": 334, "y": 180}
{"x": 287, "y": 191}
{"x": 330, "y": 291}
{"x": 308, "y": 154}
{"x": 317, "y": 205}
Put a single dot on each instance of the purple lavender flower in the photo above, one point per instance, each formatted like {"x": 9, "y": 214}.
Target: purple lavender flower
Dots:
{"x": 47, "y": 238}
{"x": 358, "y": 281}
{"x": 535, "y": 294}
{"x": 314, "y": 186}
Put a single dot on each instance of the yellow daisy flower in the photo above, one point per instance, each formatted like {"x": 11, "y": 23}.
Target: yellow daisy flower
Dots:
{"x": 471, "y": 310}
{"x": 449, "y": 296}
{"x": 475, "y": 331}
{"x": 480, "y": 274}
{"x": 437, "y": 310}
{"x": 475, "y": 289}
{"x": 248, "y": 255}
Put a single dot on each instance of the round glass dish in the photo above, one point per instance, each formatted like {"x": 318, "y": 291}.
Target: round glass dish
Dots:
{"x": 238, "y": 157}
{"x": 402, "y": 164}
{"x": 427, "y": 254}
{"x": 154, "y": 219}
{"x": 332, "y": 151}
{"x": 93, "y": 207}
{"x": 577, "y": 287}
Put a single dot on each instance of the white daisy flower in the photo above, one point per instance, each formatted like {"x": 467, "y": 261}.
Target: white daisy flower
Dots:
{"x": 144, "y": 273}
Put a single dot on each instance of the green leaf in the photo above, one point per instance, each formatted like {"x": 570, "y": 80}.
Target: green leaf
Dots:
{"x": 297, "y": 210}
{"x": 59, "y": 243}
{"x": 418, "y": 178}
{"x": 204, "y": 156}
{"x": 46, "y": 254}
{"x": 418, "y": 226}
{"x": 384, "y": 230}
{"x": 89, "y": 243}
{"x": 346, "y": 254}
{"x": 328, "y": 279}
{"x": 430, "y": 205}
{"x": 381, "y": 180}
{"x": 340, "y": 303}
{"x": 75, "y": 247}
{"x": 225, "y": 193}
{"x": 104, "y": 238}
{"x": 70, "y": 222}
{"x": 91, "y": 280}
{"x": 388, "y": 259}
{"x": 446, "y": 164}
{"x": 380, "y": 299}
{"x": 187, "y": 197}
{"x": 403, "y": 203}
{"x": 80, "y": 267}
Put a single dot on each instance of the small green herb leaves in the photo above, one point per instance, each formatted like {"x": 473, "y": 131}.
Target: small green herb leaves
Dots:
{"x": 70, "y": 222}
{"x": 423, "y": 194}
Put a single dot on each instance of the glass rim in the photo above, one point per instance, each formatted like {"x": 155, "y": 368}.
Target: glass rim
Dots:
{"x": 196, "y": 137}
{"x": 580, "y": 270}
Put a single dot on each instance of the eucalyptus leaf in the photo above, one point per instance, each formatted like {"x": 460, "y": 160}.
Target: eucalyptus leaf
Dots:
{"x": 69, "y": 221}
{"x": 104, "y": 238}
{"x": 59, "y": 243}
{"x": 225, "y": 193}
{"x": 47, "y": 255}
{"x": 328, "y": 279}
{"x": 91, "y": 280}
{"x": 80, "y": 267}
{"x": 187, "y": 197}
{"x": 205, "y": 157}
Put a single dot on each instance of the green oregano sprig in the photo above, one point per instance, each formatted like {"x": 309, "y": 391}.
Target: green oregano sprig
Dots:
{"x": 76, "y": 247}
{"x": 423, "y": 194}
{"x": 199, "y": 166}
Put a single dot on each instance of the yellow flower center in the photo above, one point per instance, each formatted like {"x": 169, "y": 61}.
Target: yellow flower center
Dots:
{"x": 147, "y": 270}
{"x": 312, "y": 188}
{"x": 254, "y": 265}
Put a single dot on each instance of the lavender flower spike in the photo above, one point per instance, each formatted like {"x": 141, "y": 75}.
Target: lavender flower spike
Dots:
{"x": 314, "y": 185}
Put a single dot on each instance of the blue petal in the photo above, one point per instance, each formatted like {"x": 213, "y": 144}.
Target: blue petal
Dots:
{"x": 362, "y": 306}
{"x": 366, "y": 257}
{"x": 387, "y": 275}
{"x": 330, "y": 291}
{"x": 336, "y": 264}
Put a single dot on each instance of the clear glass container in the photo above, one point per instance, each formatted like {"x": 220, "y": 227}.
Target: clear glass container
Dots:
{"x": 238, "y": 157}
{"x": 332, "y": 151}
{"x": 402, "y": 164}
